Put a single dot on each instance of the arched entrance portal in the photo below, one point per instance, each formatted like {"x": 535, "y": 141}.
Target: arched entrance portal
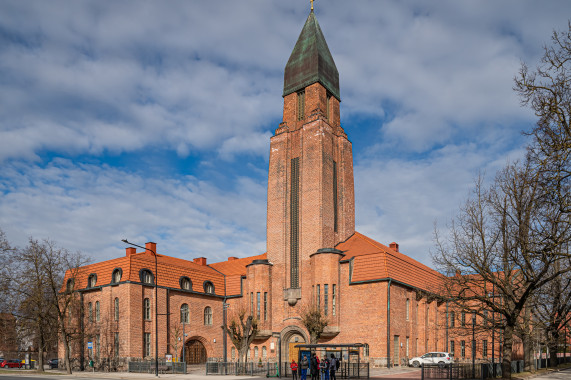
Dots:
{"x": 291, "y": 337}
{"x": 195, "y": 352}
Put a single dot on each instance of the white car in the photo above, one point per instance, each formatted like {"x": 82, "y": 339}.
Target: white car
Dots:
{"x": 440, "y": 358}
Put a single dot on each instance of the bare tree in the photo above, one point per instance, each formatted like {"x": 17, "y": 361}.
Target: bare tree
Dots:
{"x": 552, "y": 308}
{"x": 62, "y": 267}
{"x": 546, "y": 90}
{"x": 506, "y": 238}
{"x": 314, "y": 321}
{"x": 242, "y": 329}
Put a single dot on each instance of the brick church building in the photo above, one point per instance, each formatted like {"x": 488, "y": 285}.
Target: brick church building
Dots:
{"x": 371, "y": 293}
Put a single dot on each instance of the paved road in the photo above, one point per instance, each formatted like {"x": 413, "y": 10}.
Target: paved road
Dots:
{"x": 559, "y": 375}
{"x": 382, "y": 373}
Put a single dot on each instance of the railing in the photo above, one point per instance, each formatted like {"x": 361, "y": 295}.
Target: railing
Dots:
{"x": 148, "y": 366}
{"x": 466, "y": 371}
{"x": 345, "y": 371}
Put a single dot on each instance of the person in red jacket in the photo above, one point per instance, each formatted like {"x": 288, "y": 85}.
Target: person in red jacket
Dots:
{"x": 293, "y": 367}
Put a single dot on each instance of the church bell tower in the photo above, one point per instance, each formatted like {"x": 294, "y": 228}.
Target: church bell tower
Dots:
{"x": 311, "y": 203}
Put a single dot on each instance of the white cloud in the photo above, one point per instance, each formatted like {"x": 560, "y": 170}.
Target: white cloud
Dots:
{"x": 204, "y": 79}
{"x": 89, "y": 208}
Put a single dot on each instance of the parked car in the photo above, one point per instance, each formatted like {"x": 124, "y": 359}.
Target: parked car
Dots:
{"x": 11, "y": 363}
{"x": 53, "y": 363}
{"x": 440, "y": 358}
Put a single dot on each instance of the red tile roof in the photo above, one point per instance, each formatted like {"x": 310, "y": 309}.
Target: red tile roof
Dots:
{"x": 371, "y": 261}
{"x": 374, "y": 261}
{"x": 170, "y": 270}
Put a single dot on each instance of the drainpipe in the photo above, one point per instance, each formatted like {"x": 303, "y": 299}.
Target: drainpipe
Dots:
{"x": 389, "y": 324}
{"x": 82, "y": 335}
{"x": 447, "y": 323}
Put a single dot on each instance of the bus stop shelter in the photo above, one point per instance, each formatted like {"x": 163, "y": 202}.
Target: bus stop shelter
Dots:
{"x": 349, "y": 354}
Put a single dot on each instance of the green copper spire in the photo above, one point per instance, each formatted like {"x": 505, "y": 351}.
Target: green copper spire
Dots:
{"x": 311, "y": 61}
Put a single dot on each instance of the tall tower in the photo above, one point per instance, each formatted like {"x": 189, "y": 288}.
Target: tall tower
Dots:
{"x": 311, "y": 203}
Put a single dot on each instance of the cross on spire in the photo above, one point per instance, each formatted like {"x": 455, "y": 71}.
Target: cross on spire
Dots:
{"x": 311, "y": 1}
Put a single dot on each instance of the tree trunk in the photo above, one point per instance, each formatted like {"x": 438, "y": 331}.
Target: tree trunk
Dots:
{"x": 507, "y": 349}
{"x": 528, "y": 362}
{"x": 67, "y": 362}
{"x": 40, "y": 356}
{"x": 553, "y": 348}
{"x": 313, "y": 338}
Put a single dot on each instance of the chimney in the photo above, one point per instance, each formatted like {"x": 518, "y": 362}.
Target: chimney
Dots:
{"x": 232, "y": 258}
{"x": 394, "y": 246}
{"x": 200, "y": 261}
{"x": 151, "y": 247}
{"x": 130, "y": 251}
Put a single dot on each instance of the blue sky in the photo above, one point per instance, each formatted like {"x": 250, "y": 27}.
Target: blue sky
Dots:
{"x": 151, "y": 120}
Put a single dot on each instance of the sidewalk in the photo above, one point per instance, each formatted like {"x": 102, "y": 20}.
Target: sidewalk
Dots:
{"x": 194, "y": 373}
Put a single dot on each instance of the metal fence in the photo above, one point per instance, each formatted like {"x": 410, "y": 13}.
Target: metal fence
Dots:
{"x": 346, "y": 370}
{"x": 466, "y": 371}
{"x": 148, "y": 366}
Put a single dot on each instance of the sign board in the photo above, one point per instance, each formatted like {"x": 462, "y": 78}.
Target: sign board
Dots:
{"x": 169, "y": 358}
{"x": 89, "y": 345}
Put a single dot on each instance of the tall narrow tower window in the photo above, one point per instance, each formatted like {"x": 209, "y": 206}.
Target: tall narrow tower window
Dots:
{"x": 301, "y": 105}
{"x": 294, "y": 223}
{"x": 335, "y": 217}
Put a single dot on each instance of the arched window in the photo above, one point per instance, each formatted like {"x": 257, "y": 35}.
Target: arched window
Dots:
{"x": 116, "y": 309}
{"x": 92, "y": 280}
{"x": 233, "y": 353}
{"x": 208, "y": 287}
{"x": 116, "y": 276}
{"x": 90, "y": 312}
{"x": 366, "y": 350}
{"x": 184, "y": 313}
{"x": 264, "y": 352}
{"x": 256, "y": 352}
{"x": 69, "y": 285}
{"x": 185, "y": 283}
{"x": 208, "y": 316}
{"x": 97, "y": 312}
{"x": 147, "y": 309}
{"x": 146, "y": 277}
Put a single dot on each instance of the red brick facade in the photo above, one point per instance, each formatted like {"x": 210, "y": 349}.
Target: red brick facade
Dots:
{"x": 311, "y": 215}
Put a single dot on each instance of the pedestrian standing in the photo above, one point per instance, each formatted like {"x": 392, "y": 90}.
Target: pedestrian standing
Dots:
{"x": 304, "y": 365}
{"x": 313, "y": 366}
{"x": 323, "y": 368}
{"x": 293, "y": 367}
{"x": 333, "y": 367}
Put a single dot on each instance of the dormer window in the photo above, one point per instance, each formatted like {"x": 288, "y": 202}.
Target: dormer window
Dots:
{"x": 91, "y": 280}
{"x": 208, "y": 287}
{"x": 116, "y": 275}
{"x": 185, "y": 283}
{"x": 146, "y": 277}
{"x": 69, "y": 285}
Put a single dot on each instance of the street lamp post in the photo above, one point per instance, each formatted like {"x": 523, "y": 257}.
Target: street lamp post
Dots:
{"x": 184, "y": 343}
{"x": 473, "y": 346}
{"x": 156, "y": 306}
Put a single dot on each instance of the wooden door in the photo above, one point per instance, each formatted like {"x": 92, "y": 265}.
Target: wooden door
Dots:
{"x": 195, "y": 352}
{"x": 293, "y": 352}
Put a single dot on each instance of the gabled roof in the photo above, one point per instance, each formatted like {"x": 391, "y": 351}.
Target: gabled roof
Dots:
{"x": 236, "y": 266}
{"x": 311, "y": 61}
{"x": 170, "y": 270}
{"x": 375, "y": 261}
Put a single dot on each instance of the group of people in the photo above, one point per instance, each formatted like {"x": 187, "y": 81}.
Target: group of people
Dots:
{"x": 326, "y": 367}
